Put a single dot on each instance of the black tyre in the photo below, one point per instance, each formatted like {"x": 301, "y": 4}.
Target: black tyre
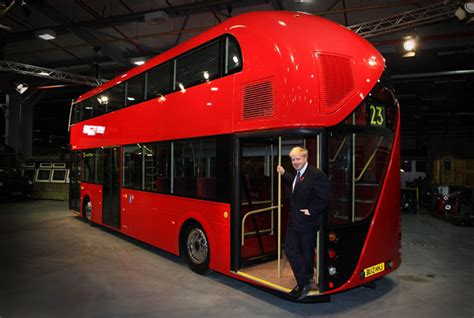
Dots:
{"x": 195, "y": 247}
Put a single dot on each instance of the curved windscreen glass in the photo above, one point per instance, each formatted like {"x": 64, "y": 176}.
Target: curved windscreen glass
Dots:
{"x": 359, "y": 154}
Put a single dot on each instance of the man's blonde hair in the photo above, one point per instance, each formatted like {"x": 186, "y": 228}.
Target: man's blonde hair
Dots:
{"x": 298, "y": 151}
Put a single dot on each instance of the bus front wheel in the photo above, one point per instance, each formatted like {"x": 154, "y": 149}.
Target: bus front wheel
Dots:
{"x": 196, "y": 248}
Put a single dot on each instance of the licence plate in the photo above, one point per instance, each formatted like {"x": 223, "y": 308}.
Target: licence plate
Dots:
{"x": 372, "y": 270}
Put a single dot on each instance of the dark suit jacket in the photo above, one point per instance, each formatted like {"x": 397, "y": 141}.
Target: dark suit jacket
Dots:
{"x": 312, "y": 192}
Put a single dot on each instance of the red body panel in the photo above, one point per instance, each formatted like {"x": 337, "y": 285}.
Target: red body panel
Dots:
{"x": 157, "y": 219}
{"x": 300, "y": 55}
{"x": 283, "y": 47}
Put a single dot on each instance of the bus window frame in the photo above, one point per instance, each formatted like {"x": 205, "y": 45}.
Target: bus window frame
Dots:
{"x": 224, "y": 40}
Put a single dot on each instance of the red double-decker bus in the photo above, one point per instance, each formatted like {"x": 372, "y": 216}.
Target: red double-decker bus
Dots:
{"x": 181, "y": 152}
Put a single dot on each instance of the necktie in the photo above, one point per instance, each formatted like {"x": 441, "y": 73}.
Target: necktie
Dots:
{"x": 298, "y": 175}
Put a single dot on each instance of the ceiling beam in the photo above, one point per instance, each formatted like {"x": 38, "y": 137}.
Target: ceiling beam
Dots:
{"x": 408, "y": 19}
{"x": 46, "y": 73}
{"x": 180, "y": 10}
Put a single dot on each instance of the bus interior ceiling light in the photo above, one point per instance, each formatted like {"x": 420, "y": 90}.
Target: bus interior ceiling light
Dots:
{"x": 47, "y": 34}
{"x": 138, "y": 60}
{"x": 21, "y": 87}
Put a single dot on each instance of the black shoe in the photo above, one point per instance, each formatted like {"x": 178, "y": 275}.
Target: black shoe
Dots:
{"x": 295, "y": 291}
{"x": 304, "y": 291}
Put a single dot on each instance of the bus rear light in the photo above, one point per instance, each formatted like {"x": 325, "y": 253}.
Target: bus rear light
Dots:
{"x": 332, "y": 271}
{"x": 332, "y": 253}
{"x": 331, "y": 285}
{"x": 332, "y": 237}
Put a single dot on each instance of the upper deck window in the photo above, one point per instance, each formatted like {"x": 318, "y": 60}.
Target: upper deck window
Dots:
{"x": 233, "y": 58}
{"x": 116, "y": 96}
{"x": 212, "y": 60}
{"x": 135, "y": 90}
{"x": 197, "y": 67}
{"x": 159, "y": 81}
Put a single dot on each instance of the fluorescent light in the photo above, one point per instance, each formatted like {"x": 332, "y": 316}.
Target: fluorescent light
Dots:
{"x": 138, "y": 60}
{"x": 43, "y": 73}
{"x": 46, "y": 34}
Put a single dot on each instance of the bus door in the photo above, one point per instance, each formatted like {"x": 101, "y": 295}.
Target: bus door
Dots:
{"x": 111, "y": 187}
{"x": 258, "y": 201}
{"x": 264, "y": 208}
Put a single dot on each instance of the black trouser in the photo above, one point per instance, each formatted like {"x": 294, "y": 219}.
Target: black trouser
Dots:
{"x": 299, "y": 248}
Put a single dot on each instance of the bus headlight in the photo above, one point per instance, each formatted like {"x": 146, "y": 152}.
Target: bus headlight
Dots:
{"x": 332, "y": 271}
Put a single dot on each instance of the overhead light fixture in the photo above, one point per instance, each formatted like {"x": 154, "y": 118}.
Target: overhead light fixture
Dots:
{"x": 46, "y": 34}
{"x": 465, "y": 11}
{"x": 43, "y": 73}
{"x": 138, "y": 60}
{"x": 21, "y": 88}
{"x": 409, "y": 46}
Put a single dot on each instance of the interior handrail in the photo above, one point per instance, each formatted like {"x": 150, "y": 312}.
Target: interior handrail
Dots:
{"x": 369, "y": 161}
{"x": 331, "y": 160}
{"x": 256, "y": 212}
{"x": 257, "y": 202}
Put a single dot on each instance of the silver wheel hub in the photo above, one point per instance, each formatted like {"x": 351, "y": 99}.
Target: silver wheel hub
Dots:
{"x": 197, "y": 246}
{"x": 88, "y": 210}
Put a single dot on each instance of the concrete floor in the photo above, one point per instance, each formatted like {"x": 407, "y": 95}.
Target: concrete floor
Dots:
{"x": 52, "y": 264}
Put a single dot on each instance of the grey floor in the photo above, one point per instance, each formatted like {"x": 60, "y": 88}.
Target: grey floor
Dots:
{"x": 54, "y": 265}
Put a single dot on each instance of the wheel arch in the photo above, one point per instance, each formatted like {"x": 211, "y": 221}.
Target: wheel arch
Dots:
{"x": 207, "y": 230}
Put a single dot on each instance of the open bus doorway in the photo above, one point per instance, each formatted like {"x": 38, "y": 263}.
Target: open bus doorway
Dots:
{"x": 264, "y": 208}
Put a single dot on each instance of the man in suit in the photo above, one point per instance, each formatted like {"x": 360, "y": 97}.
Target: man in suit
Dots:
{"x": 309, "y": 199}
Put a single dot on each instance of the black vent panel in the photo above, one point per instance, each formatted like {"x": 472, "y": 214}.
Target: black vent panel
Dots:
{"x": 258, "y": 100}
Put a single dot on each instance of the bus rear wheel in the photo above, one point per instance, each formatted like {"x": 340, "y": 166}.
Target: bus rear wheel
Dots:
{"x": 196, "y": 248}
{"x": 87, "y": 211}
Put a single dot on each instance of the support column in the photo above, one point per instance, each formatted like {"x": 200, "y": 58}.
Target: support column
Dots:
{"x": 19, "y": 125}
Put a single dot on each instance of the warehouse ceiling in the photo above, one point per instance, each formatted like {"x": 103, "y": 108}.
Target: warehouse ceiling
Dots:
{"x": 99, "y": 39}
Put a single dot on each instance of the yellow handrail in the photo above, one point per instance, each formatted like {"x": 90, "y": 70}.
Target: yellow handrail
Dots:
{"x": 255, "y": 212}
{"x": 258, "y": 202}
{"x": 331, "y": 160}
{"x": 369, "y": 161}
